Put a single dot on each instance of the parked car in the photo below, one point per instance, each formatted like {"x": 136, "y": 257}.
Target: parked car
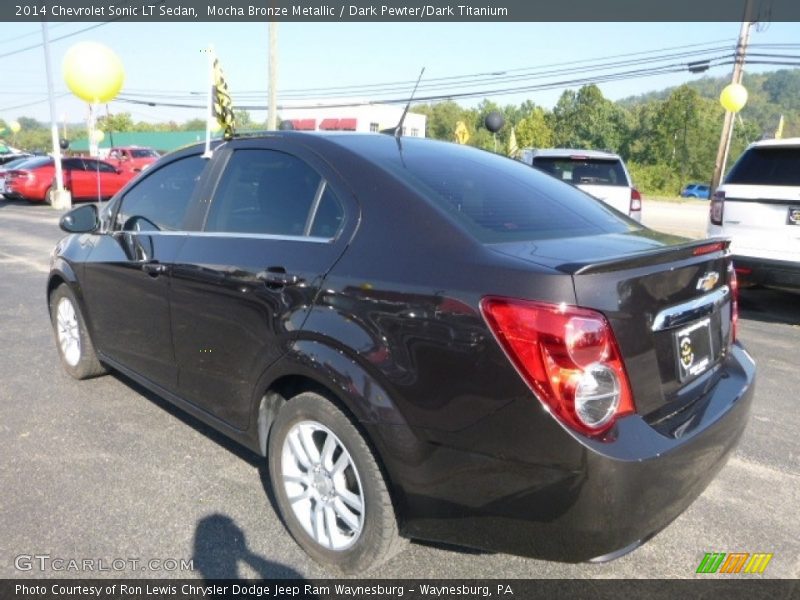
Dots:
{"x": 85, "y": 178}
{"x": 422, "y": 339}
{"x": 12, "y": 156}
{"x": 758, "y": 207}
{"x": 598, "y": 173}
{"x": 132, "y": 158}
{"x": 696, "y": 190}
{"x": 12, "y": 164}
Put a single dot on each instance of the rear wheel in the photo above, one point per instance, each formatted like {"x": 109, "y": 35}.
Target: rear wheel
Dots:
{"x": 328, "y": 486}
{"x": 72, "y": 338}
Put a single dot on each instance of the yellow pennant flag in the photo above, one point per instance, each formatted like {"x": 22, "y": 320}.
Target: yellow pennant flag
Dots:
{"x": 461, "y": 133}
{"x": 779, "y": 130}
{"x": 221, "y": 105}
{"x": 513, "y": 149}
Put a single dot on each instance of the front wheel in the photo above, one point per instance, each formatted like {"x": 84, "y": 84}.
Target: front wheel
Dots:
{"x": 72, "y": 338}
{"x": 329, "y": 488}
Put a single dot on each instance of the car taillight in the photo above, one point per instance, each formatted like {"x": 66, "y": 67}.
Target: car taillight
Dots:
{"x": 29, "y": 175}
{"x": 568, "y": 356}
{"x": 717, "y": 207}
{"x": 636, "y": 200}
{"x": 733, "y": 279}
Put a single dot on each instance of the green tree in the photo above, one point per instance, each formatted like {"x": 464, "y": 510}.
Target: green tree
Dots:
{"x": 533, "y": 130}
{"x": 585, "y": 119}
{"x": 115, "y": 123}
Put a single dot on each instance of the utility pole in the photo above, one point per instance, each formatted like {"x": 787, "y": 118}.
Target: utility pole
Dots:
{"x": 738, "y": 72}
{"x": 272, "y": 118}
{"x": 59, "y": 198}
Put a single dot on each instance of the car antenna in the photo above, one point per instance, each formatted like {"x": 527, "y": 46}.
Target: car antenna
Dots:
{"x": 397, "y": 131}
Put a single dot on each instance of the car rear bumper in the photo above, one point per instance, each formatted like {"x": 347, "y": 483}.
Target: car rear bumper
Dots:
{"x": 604, "y": 500}
{"x": 769, "y": 272}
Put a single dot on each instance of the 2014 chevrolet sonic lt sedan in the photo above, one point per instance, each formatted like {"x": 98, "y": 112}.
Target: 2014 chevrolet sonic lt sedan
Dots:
{"x": 425, "y": 340}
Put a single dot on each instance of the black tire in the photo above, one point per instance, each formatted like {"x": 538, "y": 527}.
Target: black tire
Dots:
{"x": 84, "y": 364}
{"x": 378, "y": 539}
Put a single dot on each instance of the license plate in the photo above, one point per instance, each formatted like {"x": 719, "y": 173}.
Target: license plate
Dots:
{"x": 794, "y": 215}
{"x": 694, "y": 349}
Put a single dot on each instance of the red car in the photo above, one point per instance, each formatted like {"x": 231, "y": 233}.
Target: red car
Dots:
{"x": 132, "y": 158}
{"x": 85, "y": 178}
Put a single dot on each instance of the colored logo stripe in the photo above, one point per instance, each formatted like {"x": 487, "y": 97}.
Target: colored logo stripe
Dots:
{"x": 735, "y": 562}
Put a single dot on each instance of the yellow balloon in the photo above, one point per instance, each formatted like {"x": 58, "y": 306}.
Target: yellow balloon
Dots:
{"x": 93, "y": 72}
{"x": 14, "y": 126}
{"x": 98, "y": 135}
{"x": 733, "y": 97}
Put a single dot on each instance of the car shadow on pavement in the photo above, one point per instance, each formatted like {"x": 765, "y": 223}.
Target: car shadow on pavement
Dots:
{"x": 769, "y": 306}
{"x": 220, "y": 547}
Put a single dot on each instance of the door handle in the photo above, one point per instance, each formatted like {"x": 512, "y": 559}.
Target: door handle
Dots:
{"x": 154, "y": 268}
{"x": 277, "y": 277}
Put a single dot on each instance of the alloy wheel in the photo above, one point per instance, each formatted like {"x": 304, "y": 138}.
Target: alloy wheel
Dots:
{"x": 323, "y": 485}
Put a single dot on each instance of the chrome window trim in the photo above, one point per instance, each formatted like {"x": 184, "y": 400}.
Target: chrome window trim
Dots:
{"x": 312, "y": 213}
{"x": 258, "y": 236}
{"x": 687, "y": 312}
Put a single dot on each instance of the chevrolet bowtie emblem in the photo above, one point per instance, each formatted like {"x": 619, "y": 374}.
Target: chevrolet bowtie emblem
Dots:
{"x": 708, "y": 281}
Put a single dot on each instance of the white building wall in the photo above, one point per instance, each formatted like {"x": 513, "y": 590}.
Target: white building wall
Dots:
{"x": 369, "y": 117}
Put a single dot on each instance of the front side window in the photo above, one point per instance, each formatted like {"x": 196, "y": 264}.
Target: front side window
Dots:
{"x": 99, "y": 165}
{"x": 163, "y": 196}
{"x": 73, "y": 164}
{"x": 273, "y": 193}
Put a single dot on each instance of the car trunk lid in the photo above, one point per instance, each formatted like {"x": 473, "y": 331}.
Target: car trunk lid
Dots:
{"x": 668, "y": 301}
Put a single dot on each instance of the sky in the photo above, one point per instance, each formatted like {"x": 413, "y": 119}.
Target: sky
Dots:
{"x": 166, "y": 58}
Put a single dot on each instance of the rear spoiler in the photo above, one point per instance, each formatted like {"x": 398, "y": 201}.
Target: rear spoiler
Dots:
{"x": 656, "y": 256}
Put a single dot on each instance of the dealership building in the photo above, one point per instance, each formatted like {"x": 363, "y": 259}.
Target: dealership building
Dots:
{"x": 360, "y": 117}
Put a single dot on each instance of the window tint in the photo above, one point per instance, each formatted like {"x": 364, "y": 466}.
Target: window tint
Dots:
{"x": 767, "y": 166}
{"x": 591, "y": 171}
{"x": 144, "y": 153}
{"x": 329, "y": 217}
{"x": 73, "y": 164}
{"x": 35, "y": 163}
{"x": 162, "y": 196}
{"x": 98, "y": 165}
{"x": 494, "y": 198}
{"x": 270, "y": 192}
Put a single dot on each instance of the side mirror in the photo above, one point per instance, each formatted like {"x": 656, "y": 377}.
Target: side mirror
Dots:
{"x": 83, "y": 219}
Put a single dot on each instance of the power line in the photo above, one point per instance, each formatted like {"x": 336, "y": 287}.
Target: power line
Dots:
{"x": 35, "y": 102}
{"x": 624, "y": 75}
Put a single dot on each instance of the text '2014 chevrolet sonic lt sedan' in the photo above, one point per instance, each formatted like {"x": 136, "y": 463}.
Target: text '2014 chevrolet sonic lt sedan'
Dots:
{"x": 423, "y": 339}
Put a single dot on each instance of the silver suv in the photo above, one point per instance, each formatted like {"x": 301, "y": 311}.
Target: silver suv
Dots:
{"x": 598, "y": 173}
{"x": 758, "y": 207}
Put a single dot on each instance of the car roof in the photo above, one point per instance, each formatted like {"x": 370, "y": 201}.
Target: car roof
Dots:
{"x": 570, "y": 152}
{"x": 788, "y": 142}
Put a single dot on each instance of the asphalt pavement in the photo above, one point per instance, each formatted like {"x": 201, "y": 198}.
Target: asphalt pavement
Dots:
{"x": 102, "y": 470}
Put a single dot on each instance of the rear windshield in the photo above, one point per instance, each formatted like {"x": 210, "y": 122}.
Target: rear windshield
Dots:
{"x": 767, "y": 166}
{"x": 497, "y": 199}
{"x": 582, "y": 170}
{"x": 34, "y": 163}
{"x": 144, "y": 153}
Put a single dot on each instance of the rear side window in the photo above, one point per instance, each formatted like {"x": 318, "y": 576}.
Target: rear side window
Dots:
{"x": 767, "y": 166}
{"x": 580, "y": 170}
{"x": 498, "y": 199}
{"x": 163, "y": 196}
{"x": 273, "y": 193}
